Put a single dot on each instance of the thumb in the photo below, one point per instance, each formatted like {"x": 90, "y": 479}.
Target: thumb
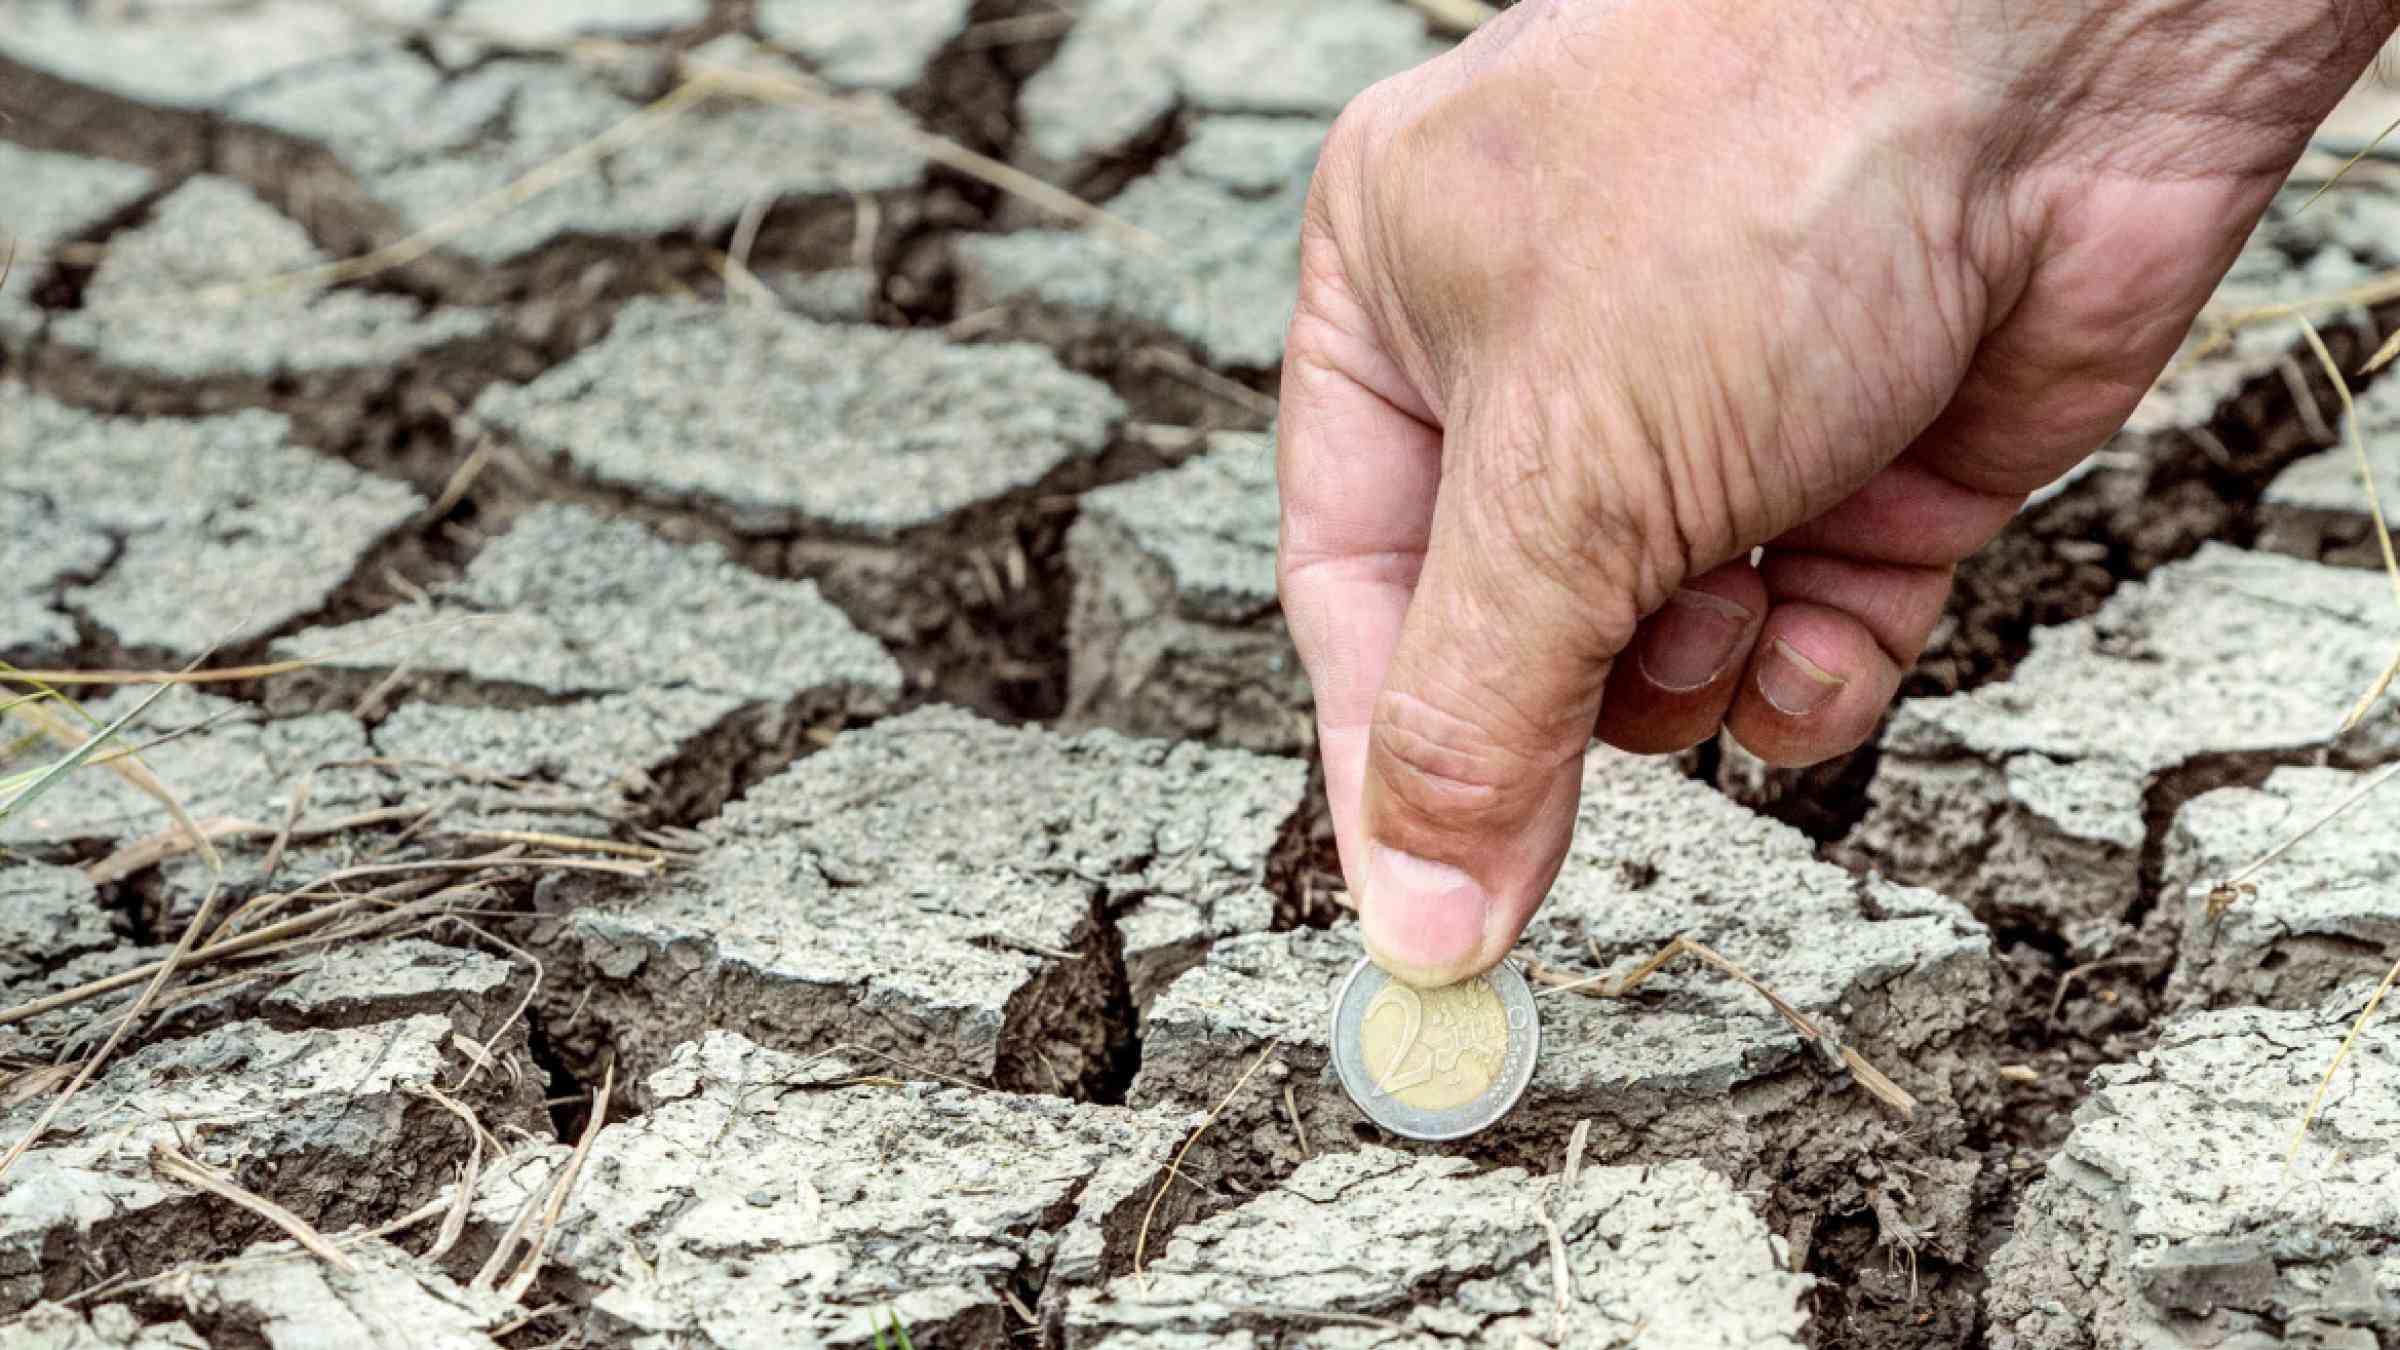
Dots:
{"x": 1474, "y": 756}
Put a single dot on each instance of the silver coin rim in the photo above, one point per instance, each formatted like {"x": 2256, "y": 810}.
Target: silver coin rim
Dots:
{"x": 1478, "y": 1115}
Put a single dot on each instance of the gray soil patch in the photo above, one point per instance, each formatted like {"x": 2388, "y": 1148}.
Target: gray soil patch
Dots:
{"x": 888, "y": 47}
{"x": 1220, "y": 285}
{"x": 1377, "y": 1248}
{"x": 821, "y": 1198}
{"x": 192, "y": 312}
{"x": 385, "y": 147}
{"x": 1175, "y": 629}
{"x": 275, "y": 1296}
{"x": 222, "y": 531}
{"x": 2322, "y": 916}
{"x": 922, "y": 484}
{"x": 2170, "y": 1216}
{"x": 2034, "y": 800}
{"x": 329, "y": 1121}
{"x": 138, "y": 82}
{"x": 1129, "y": 65}
{"x": 604, "y": 663}
{"x": 980, "y": 903}
{"x": 55, "y": 202}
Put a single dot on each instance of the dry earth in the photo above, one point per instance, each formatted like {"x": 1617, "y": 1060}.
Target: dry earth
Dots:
{"x": 792, "y": 800}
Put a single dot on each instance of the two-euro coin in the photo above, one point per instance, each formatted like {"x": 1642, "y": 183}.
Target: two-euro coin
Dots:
{"x": 1435, "y": 1063}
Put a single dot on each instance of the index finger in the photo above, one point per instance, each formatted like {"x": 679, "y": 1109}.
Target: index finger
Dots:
{"x": 1358, "y": 461}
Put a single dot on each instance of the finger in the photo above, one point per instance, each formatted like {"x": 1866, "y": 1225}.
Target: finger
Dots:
{"x": 1816, "y": 686}
{"x": 1357, "y": 467}
{"x": 1671, "y": 689}
{"x": 1530, "y": 588}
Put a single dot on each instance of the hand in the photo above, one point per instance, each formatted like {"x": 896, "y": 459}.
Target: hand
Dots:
{"x": 1621, "y": 290}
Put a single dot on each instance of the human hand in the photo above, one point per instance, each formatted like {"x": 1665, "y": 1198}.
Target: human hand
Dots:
{"x": 1620, "y": 290}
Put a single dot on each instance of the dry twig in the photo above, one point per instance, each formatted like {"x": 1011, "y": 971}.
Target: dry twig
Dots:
{"x": 1141, "y": 1241}
{"x": 1576, "y": 1143}
{"x": 1562, "y": 1275}
{"x": 1873, "y": 1080}
{"x": 1292, "y": 1108}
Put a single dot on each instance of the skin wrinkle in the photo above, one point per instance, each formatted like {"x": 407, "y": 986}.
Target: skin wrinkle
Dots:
{"x": 1325, "y": 303}
{"x": 1588, "y": 535}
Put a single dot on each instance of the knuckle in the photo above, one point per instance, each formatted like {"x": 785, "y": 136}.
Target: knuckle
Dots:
{"x": 1579, "y": 513}
{"x": 1343, "y": 154}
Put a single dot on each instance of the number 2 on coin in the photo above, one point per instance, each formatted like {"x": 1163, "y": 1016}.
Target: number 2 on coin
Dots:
{"x": 1412, "y": 1022}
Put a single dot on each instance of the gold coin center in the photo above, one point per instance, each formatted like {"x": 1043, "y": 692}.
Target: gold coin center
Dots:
{"x": 1434, "y": 1048}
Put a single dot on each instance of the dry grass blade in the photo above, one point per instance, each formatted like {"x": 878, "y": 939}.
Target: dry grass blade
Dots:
{"x": 454, "y": 1221}
{"x": 106, "y": 984}
{"x": 538, "y": 1246}
{"x": 2377, "y": 290}
{"x": 2383, "y": 354}
{"x": 2222, "y": 896}
{"x": 1291, "y": 1107}
{"x": 1562, "y": 1275}
{"x": 2358, "y": 450}
{"x": 169, "y": 1002}
{"x": 1177, "y": 366}
{"x": 272, "y": 939}
{"x": 1455, "y": 17}
{"x": 1141, "y": 1241}
{"x": 174, "y": 1166}
{"x": 237, "y": 711}
{"x": 836, "y": 1051}
{"x": 566, "y": 842}
{"x": 532, "y": 989}
{"x": 2325, "y": 1084}
{"x": 21, "y": 700}
{"x": 2067, "y": 980}
{"x": 194, "y": 674}
{"x": 489, "y": 1274}
{"x": 291, "y": 821}
{"x": 1872, "y": 1080}
{"x": 476, "y": 1130}
{"x": 154, "y": 849}
{"x": 644, "y": 122}
{"x": 2375, "y": 691}
{"x": 462, "y": 479}
{"x": 2351, "y": 163}
{"x": 2366, "y": 478}
{"x": 157, "y": 848}
{"x": 795, "y": 90}
{"x": 83, "y": 748}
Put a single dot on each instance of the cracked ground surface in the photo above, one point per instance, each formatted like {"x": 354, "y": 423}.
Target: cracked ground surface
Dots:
{"x": 764, "y": 795}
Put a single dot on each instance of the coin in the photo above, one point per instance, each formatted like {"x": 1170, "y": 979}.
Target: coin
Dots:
{"x": 1434, "y": 1063}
